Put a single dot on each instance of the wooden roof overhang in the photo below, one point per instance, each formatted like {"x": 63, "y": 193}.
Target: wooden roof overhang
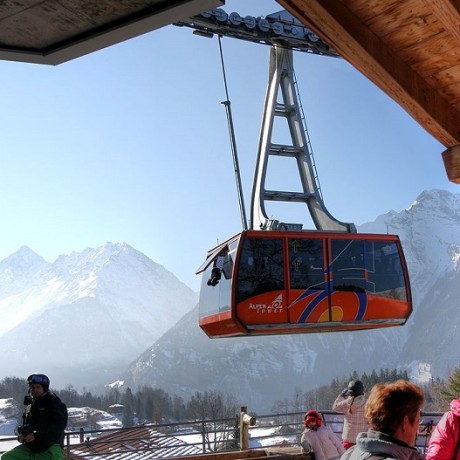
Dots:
{"x": 53, "y": 32}
{"x": 409, "y": 48}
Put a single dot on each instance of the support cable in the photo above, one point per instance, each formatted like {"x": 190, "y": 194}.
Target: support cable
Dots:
{"x": 231, "y": 130}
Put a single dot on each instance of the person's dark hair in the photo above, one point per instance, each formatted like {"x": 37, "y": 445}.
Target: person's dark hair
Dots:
{"x": 389, "y": 403}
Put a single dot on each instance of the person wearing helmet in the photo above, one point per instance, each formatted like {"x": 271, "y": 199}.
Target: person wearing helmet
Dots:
{"x": 44, "y": 420}
{"x": 319, "y": 438}
{"x": 445, "y": 440}
{"x": 351, "y": 403}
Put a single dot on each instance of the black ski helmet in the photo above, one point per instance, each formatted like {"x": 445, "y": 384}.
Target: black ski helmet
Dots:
{"x": 355, "y": 388}
{"x": 40, "y": 379}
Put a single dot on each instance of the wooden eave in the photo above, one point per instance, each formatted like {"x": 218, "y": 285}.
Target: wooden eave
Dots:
{"x": 409, "y": 48}
{"x": 53, "y": 32}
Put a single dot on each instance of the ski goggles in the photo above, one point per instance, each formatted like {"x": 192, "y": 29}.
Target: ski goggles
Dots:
{"x": 311, "y": 419}
{"x": 38, "y": 378}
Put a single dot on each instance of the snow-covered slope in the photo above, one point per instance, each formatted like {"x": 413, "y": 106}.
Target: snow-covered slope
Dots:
{"x": 83, "y": 318}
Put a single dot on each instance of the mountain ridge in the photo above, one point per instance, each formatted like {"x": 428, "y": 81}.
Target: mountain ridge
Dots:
{"x": 98, "y": 309}
{"x": 109, "y": 310}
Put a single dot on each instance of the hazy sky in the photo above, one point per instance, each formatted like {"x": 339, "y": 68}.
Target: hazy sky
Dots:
{"x": 130, "y": 144}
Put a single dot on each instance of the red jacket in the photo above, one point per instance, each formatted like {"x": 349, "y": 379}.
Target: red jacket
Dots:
{"x": 446, "y": 435}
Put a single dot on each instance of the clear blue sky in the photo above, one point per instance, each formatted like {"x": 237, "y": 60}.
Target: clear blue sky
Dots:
{"x": 130, "y": 144}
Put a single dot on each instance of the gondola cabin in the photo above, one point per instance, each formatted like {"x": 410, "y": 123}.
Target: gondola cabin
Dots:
{"x": 265, "y": 282}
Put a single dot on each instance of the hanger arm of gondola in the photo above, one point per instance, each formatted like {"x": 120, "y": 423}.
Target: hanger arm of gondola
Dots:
{"x": 283, "y": 33}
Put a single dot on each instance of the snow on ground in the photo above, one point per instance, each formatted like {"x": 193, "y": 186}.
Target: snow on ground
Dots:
{"x": 7, "y": 445}
{"x": 258, "y": 437}
{"x": 265, "y": 438}
{"x": 8, "y": 416}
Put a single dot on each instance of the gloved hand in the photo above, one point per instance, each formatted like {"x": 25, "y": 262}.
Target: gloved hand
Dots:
{"x": 344, "y": 393}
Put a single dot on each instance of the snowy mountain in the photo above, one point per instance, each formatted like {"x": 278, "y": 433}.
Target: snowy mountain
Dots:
{"x": 83, "y": 318}
{"x": 261, "y": 370}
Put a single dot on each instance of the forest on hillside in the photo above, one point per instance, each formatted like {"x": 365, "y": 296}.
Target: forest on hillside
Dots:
{"x": 153, "y": 405}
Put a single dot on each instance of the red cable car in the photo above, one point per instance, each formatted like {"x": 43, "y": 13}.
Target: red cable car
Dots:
{"x": 279, "y": 279}
{"x": 276, "y": 282}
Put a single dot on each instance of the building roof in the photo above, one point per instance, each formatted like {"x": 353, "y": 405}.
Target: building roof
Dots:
{"x": 409, "y": 48}
{"x": 51, "y": 32}
{"x": 130, "y": 444}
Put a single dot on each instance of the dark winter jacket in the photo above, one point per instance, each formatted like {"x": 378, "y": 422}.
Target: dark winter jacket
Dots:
{"x": 374, "y": 444}
{"x": 47, "y": 418}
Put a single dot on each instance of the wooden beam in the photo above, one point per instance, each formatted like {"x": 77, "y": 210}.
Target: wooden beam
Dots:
{"x": 337, "y": 26}
{"x": 448, "y": 14}
{"x": 451, "y": 158}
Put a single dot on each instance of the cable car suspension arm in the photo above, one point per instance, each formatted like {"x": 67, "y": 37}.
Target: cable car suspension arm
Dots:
{"x": 284, "y": 33}
{"x": 231, "y": 130}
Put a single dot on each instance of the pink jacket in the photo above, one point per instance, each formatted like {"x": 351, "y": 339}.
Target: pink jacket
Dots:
{"x": 446, "y": 435}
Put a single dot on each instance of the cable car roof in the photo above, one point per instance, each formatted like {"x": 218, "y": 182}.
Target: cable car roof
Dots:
{"x": 50, "y": 32}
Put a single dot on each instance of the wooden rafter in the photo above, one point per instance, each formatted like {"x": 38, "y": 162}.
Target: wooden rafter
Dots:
{"x": 336, "y": 25}
{"x": 419, "y": 69}
{"x": 448, "y": 13}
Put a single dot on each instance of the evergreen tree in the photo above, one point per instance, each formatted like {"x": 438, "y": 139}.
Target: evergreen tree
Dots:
{"x": 323, "y": 397}
{"x": 178, "y": 408}
{"x": 149, "y": 408}
{"x": 452, "y": 390}
{"x": 128, "y": 408}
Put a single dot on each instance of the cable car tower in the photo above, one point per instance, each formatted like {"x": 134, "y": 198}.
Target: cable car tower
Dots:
{"x": 284, "y": 33}
{"x": 276, "y": 278}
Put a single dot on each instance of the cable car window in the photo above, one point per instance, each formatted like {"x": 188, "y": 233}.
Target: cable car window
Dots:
{"x": 260, "y": 267}
{"x": 386, "y": 276}
{"x": 306, "y": 265}
{"x": 216, "y": 288}
{"x": 348, "y": 265}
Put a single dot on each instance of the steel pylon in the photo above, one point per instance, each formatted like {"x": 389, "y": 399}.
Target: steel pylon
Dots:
{"x": 282, "y": 83}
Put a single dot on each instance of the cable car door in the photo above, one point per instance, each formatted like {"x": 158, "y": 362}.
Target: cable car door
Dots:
{"x": 260, "y": 295}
